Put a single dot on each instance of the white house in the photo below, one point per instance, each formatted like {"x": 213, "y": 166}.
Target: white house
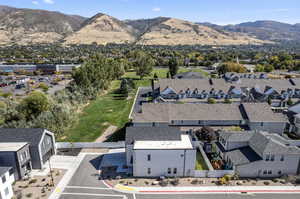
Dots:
{"x": 6, "y": 181}
{"x": 160, "y": 151}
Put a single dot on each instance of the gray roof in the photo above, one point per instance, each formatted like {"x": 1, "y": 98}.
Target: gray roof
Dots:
{"x": 170, "y": 111}
{"x": 189, "y": 75}
{"x": 30, "y": 135}
{"x": 240, "y": 136}
{"x": 220, "y": 84}
{"x": 262, "y": 144}
{"x": 243, "y": 155}
{"x": 152, "y": 134}
{"x": 262, "y": 112}
{"x": 3, "y": 170}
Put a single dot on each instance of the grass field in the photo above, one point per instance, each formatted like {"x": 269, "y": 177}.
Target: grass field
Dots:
{"x": 200, "y": 163}
{"x": 106, "y": 110}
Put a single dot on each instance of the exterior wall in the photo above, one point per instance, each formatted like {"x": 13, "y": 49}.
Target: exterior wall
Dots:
{"x": 256, "y": 169}
{"x": 161, "y": 160}
{"x": 7, "y": 186}
{"x": 272, "y": 127}
{"x": 17, "y": 160}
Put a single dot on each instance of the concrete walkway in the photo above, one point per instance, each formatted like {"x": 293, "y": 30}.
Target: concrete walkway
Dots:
{"x": 107, "y": 133}
{"x": 204, "y": 189}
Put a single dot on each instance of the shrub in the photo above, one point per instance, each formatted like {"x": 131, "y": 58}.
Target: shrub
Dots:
{"x": 32, "y": 181}
{"x": 211, "y": 101}
{"x": 29, "y": 195}
{"x": 227, "y": 101}
{"x": 266, "y": 183}
{"x": 194, "y": 181}
{"x": 163, "y": 183}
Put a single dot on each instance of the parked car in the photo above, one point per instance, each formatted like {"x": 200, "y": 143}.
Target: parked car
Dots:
{"x": 3, "y": 84}
{"x": 20, "y": 86}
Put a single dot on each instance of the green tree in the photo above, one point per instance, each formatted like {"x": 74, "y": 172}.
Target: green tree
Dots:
{"x": 143, "y": 64}
{"x": 34, "y": 104}
{"x": 173, "y": 66}
{"x": 231, "y": 67}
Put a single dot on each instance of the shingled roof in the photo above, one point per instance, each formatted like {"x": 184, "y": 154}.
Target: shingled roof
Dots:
{"x": 30, "y": 135}
{"x": 152, "y": 134}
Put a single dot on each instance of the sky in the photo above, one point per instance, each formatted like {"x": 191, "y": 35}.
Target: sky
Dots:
{"x": 215, "y": 11}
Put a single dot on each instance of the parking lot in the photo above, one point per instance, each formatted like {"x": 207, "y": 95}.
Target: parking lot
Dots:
{"x": 85, "y": 185}
{"x": 20, "y": 85}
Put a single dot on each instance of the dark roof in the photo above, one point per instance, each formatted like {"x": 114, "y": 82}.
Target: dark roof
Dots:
{"x": 30, "y": 135}
{"x": 152, "y": 134}
{"x": 3, "y": 170}
{"x": 189, "y": 75}
{"x": 243, "y": 155}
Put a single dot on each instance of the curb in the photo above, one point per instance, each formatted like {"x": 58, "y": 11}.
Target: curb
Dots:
{"x": 128, "y": 189}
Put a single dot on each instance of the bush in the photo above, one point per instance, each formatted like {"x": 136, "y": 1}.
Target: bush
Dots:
{"x": 44, "y": 87}
{"x": 194, "y": 181}
{"x": 163, "y": 183}
{"x": 227, "y": 101}
{"x": 211, "y": 101}
{"x": 29, "y": 195}
{"x": 32, "y": 181}
{"x": 266, "y": 183}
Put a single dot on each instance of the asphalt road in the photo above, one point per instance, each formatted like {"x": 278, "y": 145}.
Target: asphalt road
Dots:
{"x": 85, "y": 185}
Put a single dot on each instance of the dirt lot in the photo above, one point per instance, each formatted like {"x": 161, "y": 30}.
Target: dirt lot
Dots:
{"x": 37, "y": 187}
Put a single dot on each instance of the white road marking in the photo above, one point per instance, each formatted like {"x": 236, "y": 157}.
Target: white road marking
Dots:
{"x": 91, "y": 194}
{"x": 134, "y": 196}
{"x": 79, "y": 187}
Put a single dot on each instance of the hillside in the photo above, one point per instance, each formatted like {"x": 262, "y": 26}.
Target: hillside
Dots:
{"x": 102, "y": 29}
{"x": 179, "y": 32}
{"x": 25, "y": 26}
{"x": 264, "y": 30}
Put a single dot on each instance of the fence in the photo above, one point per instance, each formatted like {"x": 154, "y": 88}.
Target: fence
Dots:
{"x": 80, "y": 145}
{"x": 212, "y": 174}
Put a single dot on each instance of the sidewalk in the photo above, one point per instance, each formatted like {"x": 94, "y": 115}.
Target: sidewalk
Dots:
{"x": 205, "y": 189}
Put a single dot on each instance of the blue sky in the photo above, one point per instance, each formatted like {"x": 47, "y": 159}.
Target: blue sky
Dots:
{"x": 215, "y": 11}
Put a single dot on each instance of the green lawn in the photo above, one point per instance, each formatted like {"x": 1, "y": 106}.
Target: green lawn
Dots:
{"x": 162, "y": 72}
{"x": 200, "y": 163}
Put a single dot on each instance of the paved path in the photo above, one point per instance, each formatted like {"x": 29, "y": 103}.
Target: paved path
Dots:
{"x": 107, "y": 133}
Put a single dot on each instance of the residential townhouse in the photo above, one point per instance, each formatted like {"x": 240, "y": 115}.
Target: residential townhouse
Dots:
{"x": 17, "y": 156}
{"x": 258, "y": 154}
{"x": 6, "y": 181}
{"x": 32, "y": 149}
{"x": 160, "y": 151}
{"x": 255, "y": 90}
{"x": 253, "y": 116}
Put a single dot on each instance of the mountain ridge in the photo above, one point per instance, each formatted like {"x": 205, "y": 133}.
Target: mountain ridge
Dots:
{"x": 29, "y": 26}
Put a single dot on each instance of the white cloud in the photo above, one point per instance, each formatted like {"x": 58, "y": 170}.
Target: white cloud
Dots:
{"x": 35, "y": 2}
{"x": 157, "y": 9}
{"x": 49, "y": 1}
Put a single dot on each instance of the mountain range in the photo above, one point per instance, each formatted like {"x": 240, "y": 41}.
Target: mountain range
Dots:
{"x": 28, "y": 26}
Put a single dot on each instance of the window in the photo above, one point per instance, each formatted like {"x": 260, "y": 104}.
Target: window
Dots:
{"x": 282, "y": 158}
{"x": 169, "y": 170}
{"x": 131, "y": 160}
{"x": 149, "y": 157}
{"x": 172, "y": 122}
{"x": 149, "y": 171}
{"x": 261, "y": 124}
{"x": 3, "y": 179}
{"x": 267, "y": 157}
{"x": 265, "y": 172}
{"x": 272, "y": 157}
{"x": 175, "y": 171}
{"x": 269, "y": 172}
{"x": 279, "y": 172}
{"x": 153, "y": 124}
{"x": 6, "y": 191}
{"x": 11, "y": 171}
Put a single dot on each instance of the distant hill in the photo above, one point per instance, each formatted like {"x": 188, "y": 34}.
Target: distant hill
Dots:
{"x": 102, "y": 29}
{"x": 28, "y": 26}
{"x": 24, "y": 26}
{"x": 265, "y": 30}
